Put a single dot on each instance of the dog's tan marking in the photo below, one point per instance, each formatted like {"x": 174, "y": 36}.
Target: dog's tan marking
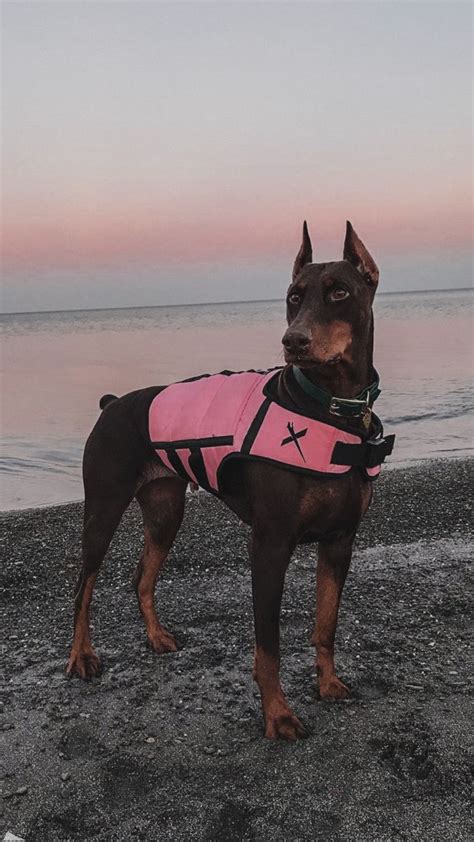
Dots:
{"x": 83, "y": 660}
{"x": 280, "y": 721}
{"x": 331, "y": 340}
{"x": 148, "y": 570}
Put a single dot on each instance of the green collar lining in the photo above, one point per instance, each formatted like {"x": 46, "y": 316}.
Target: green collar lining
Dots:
{"x": 345, "y": 407}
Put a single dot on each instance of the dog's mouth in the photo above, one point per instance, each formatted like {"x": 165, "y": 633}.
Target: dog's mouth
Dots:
{"x": 309, "y": 361}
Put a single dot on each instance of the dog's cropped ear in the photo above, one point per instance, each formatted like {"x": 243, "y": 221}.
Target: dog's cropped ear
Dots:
{"x": 356, "y": 253}
{"x": 305, "y": 254}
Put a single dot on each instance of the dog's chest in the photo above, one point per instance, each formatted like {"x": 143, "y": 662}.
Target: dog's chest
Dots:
{"x": 329, "y": 506}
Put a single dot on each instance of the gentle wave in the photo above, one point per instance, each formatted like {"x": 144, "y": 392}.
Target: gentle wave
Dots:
{"x": 426, "y": 416}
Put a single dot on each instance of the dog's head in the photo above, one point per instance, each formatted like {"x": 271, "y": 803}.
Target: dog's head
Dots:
{"x": 329, "y": 305}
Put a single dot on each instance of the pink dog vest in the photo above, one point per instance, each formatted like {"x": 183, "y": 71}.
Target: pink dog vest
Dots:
{"x": 197, "y": 426}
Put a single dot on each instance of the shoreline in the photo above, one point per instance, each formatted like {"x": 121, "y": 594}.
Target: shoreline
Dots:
{"x": 171, "y": 748}
{"x": 388, "y": 467}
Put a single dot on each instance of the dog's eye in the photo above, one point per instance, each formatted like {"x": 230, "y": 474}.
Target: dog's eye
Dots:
{"x": 338, "y": 294}
{"x": 294, "y": 298}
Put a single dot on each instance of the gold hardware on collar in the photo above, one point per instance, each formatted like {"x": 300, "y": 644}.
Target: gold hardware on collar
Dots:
{"x": 337, "y": 404}
{"x": 367, "y": 417}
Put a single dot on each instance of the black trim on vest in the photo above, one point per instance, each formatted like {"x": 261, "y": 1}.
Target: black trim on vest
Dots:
{"x": 192, "y": 444}
{"x": 196, "y": 463}
{"x": 177, "y": 465}
{"x": 226, "y": 373}
{"x": 369, "y": 454}
{"x": 252, "y": 431}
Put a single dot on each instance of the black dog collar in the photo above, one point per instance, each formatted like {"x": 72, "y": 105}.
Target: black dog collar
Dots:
{"x": 342, "y": 407}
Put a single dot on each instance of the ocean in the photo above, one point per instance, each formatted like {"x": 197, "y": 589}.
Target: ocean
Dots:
{"x": 55, "y": 367}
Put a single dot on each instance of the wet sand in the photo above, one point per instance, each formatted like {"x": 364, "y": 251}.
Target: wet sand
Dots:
{"x": 171, "y": 748}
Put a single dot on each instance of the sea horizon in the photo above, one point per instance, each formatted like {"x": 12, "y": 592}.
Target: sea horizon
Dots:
{"x": 380, "y": 294}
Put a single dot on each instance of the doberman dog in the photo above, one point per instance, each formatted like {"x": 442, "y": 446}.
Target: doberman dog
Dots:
{"x": 328, "y": 349}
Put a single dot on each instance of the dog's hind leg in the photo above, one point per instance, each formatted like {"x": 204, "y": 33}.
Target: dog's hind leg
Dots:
{"x": 101, "y": 518}
{"x": 162, "y": 505}
{"x": 113, "y": 459}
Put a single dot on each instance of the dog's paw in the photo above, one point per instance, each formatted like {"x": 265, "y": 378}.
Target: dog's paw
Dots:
{"x": 84, "y": 664}
{"x": 333, "y": 689}
{"x": 162, "y": 641}
{"x": 284, "y": 725}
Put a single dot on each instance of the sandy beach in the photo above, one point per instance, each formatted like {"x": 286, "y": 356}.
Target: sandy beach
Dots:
{"x": 171, "y": 747}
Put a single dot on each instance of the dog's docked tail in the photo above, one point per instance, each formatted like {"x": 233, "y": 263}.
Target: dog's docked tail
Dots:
{"x": 106, "y": 399}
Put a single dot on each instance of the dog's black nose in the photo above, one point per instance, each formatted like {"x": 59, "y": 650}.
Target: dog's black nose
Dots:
{"x": 295, "y": 340}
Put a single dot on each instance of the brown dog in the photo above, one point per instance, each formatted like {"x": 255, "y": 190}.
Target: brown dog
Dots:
{"x": 330, "y": 377}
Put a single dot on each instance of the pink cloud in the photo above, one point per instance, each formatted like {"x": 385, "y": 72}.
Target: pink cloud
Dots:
{"x": 83, "y": 236}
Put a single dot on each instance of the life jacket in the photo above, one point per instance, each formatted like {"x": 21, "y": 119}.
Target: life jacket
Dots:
{"x": 197, "y": 426}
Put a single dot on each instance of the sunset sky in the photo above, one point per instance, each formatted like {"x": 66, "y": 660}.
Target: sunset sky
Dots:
{"x": 159, "y": 153}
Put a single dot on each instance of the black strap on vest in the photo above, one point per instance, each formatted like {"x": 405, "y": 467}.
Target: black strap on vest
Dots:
{"x": 369, "y": 454}
{"x": 196, "y": 463}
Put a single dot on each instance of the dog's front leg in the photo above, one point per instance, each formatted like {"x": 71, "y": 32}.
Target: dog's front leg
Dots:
{"x": 333, "y": 564}
{"x": 270, "y": 558}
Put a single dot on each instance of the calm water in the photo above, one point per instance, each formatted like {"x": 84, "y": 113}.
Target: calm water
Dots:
{"x": 55, "y": 366}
